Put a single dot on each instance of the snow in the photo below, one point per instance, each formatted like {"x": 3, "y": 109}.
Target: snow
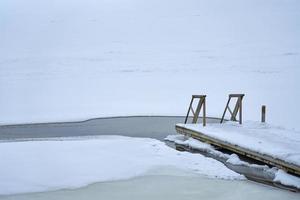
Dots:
{"x": 287, "y": 179}
{"x": 280, "y": 176}
{"x": 266, "y": 139}
{"x": 65, "y": 60}
{"x": 36, "y": 166}
{"x": 204, "y": 147}
{"x": 235, "y": 160}
{"x": 190, "y": 142}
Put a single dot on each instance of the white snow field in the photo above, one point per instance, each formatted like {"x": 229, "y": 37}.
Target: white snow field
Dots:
{"x": 64, "y": 60}
{"x": 36, "y": 166}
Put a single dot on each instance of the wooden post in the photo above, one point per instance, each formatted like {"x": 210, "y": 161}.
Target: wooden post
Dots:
{"x": 204, "y": 113}
{"x": 240, "y": 102}
{"x": 225, "y": 111}
{"x": 202, "y": 102}
{"x": 197, "y": 112}
{"x": 263, "y": 114}
{"x": 187, "y": 115}
{"x": 237, "y": 108}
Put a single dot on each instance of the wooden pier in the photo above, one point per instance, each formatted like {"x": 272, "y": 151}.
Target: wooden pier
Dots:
{"x": 229, "y": 142}
{"x": 265, "y": 158}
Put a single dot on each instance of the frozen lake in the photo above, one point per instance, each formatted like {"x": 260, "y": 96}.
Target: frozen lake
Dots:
{"x": 67, "y": 60}
{"x": 127, "y": 57}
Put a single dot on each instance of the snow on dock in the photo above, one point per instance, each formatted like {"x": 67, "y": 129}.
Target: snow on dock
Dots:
{"x": 273, "y": 145}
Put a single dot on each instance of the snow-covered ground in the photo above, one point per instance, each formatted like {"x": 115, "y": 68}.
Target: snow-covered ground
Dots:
{"x": 66, "y": 60}
{"x": 265, "y": 139}
{"x": 36, "y": 166}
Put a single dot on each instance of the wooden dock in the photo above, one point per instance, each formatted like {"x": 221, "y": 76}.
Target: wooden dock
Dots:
{"x": 265, "y": 158}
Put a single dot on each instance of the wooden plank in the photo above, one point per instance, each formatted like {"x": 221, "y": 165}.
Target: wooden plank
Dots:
{"x": 236, "y": 95}
{"x": 222, "y": 119}
{"x": 195, "y": 119}
{"x": 290, "y": 167}
{"x": 199, "y": 96}
{"x": 187, "y": 115}
{"x": 230, "y": 110}
{"x": 235, "y": 110}
{"x": 192, "y": 109}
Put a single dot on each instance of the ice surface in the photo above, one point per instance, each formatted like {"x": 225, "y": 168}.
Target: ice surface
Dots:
{"x": 75, "y": 59}
{"x": 161, "y": 186}
{"x": 51, "y": 165}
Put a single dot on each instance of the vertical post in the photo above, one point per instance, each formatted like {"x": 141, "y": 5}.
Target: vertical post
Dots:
{"x": 263, "y": 114}
{"x": 204, "y": 112}
{"x": 240, "y": 102}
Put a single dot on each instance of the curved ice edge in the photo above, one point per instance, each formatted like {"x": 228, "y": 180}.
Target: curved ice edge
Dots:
{"x": 48, "y": 165}
{"x": 176, "y": 172}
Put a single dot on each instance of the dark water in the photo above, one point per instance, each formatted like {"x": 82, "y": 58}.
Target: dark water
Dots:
{"x": 143, "y": 126}
{"x": 157, "y": 127}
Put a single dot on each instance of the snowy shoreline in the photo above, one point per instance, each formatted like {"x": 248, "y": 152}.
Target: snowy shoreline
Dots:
{"x": 35, "y": 166}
